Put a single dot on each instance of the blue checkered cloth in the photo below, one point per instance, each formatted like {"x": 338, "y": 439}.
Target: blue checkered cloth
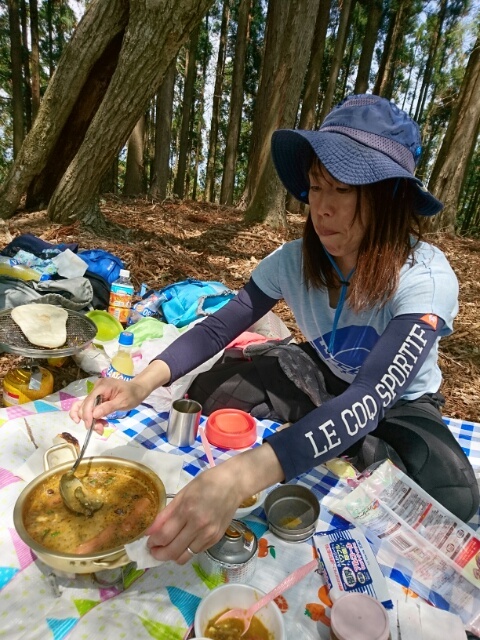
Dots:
{"x": 148, "y": 428}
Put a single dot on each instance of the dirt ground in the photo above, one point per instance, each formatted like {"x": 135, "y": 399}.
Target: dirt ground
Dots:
{"x": 164, "y": 242}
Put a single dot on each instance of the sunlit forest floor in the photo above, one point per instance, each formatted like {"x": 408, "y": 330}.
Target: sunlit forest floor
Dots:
{"x": 168, "y": 241}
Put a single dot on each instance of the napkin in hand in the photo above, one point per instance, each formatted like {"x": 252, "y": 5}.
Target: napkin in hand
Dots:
{"x": 138, "y": 552}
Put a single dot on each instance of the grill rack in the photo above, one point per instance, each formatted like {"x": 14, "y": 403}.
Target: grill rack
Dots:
{"x": 80, "y": 333}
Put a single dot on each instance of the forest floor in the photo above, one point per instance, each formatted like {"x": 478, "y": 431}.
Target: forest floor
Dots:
{"x": 164, "y": 242}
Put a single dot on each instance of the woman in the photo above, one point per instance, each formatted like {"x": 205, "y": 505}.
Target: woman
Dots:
{"x": 372, "y": 299}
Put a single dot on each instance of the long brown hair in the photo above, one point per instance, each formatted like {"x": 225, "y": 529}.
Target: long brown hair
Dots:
{"x": 392, "y": 231}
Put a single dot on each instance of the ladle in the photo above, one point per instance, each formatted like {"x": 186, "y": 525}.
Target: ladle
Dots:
{"x": 71, "y": 487}
{"x": 246, "y": 615}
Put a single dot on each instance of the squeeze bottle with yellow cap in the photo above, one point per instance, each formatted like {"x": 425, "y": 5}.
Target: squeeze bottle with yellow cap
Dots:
{"x": 122, "y": 367}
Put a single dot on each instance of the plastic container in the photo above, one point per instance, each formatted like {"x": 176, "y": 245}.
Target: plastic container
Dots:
{"x": 108, "y": 327}
{"x": 231, "y": 429}
{"x": 122, "y": 366}
{"x": 356, "y": 616}
{"x": 121, "y": 295}
{"x": 24, "y": 384}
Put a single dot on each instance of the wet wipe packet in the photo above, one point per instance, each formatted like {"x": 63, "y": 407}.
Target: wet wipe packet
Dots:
{"x": 349, "y": 565}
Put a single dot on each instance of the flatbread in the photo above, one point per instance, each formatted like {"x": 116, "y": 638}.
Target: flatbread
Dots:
{"x": 44, "y": 325}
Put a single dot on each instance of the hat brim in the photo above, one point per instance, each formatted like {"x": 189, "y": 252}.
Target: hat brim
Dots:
{"x": 347, "y": 160}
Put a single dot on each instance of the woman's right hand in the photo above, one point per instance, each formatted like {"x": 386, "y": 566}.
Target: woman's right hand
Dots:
{"x": 116, "y": 395}
{"x": 119, "y": 395}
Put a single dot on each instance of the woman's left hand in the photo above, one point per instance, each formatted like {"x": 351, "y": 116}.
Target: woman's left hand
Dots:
{"x": 201, "y": 512}
{"x": 197, "y": 516}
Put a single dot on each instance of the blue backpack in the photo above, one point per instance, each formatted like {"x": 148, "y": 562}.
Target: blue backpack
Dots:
{"x": 191, "y": 299}
{"x": 102, "y": 263}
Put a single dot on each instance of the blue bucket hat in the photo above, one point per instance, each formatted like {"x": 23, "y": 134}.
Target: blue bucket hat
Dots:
{"x": 364, "y": 139}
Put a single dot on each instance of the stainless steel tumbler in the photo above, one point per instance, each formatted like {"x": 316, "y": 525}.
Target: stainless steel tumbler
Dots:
{"x": 183, "y": 422}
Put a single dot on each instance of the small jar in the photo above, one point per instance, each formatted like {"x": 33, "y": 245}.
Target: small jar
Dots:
{"x": 24, "y": 384}
{"x": 356, "y": 616}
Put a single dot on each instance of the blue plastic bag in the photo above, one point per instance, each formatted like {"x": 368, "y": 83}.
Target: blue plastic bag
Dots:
{"x": 191, "y": 299}
{"x": 102, "y": 263}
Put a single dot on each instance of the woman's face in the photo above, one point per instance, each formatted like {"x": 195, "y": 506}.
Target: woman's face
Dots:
{"x": 333, "y": 206}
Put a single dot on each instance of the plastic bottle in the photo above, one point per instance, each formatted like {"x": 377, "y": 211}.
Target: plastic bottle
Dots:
{"x": 24, "y": 384}
{"x": 121, "y": 367}
{"x": 18, "y": 271}
{"x": 121, "y": 294}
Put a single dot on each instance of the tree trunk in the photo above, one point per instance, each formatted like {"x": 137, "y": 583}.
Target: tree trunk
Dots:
{"x": 341, "y": 38}
{"x": 288, "y": 42}
{"x": 27, "y": 82}
{"x": 385, "y": 77}
{"x": 458, "y": 144}
{"x": 191, "y": 72}
{"x": 236, "y": 103}
{"x": 312, "y": 80}
{"x": 430, "y": 63}
{"x": 68, "y": 143}
{"x": 155, "y": 31}
{"x": 374, "y": 19}
{"x": 35, "y": 58}
{"x": 163, "y": 133}
{"x": 99, "y": 25}
{"x": 217, "y": 96}
{"x": 51, "y": 64}
{"x": 17, "y": 80}
{"x": 135, "y": 170}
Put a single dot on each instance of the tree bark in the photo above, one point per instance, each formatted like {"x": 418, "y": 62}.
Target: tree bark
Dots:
{"x": 17, "y": 80}
{"x": 341, "y": 38}
{"x": 191, "y": 72}
{"x": 385, "y": 77}
{"x": 27, "y": 81}
{"x": 134, "y": 184}
{"x": 312, "y": 80}
{"x": 163, "y": 133}
{"x": 236, "y": 103}
{"x": 154, "y": 31}
{"x": 217, "y": 96}
{"x": 35, "y": 58}
{"x": 100, "y": 23}
{"x": 458, "y": 144}
{"x": 288, "y": 43}
{"x": 374, "y": 19}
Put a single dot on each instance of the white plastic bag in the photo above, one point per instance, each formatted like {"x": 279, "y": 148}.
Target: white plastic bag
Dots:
{"x": 162, "y": 398}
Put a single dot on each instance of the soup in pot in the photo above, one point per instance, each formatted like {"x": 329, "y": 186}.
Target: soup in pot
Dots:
{"x": 130, "y": 504}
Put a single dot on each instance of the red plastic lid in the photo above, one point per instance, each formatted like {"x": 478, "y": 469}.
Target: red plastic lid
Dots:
{"x": 231, "y": 429}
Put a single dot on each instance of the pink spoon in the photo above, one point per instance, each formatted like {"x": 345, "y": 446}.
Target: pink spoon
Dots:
{"x": 246, "y": 615}
{"x": 206, "y": 446}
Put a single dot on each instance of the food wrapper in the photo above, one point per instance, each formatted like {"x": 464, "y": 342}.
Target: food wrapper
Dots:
{"x": 349, "y": 565}
{"x": 417, "y": 537}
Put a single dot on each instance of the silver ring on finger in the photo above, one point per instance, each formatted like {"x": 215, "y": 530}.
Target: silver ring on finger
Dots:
{"x": 191, "y": 552}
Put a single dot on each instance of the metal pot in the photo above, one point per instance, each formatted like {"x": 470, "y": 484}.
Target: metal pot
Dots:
{"x": 88, "y": 563}
{"x": 233, "y": 558}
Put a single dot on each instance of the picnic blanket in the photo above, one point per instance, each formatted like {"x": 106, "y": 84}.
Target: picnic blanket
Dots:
{"x": 160, "y": 602}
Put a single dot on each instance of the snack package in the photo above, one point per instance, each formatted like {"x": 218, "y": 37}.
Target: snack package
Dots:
{"x": 437, "y": 554}
{"x": 349, "y": 565}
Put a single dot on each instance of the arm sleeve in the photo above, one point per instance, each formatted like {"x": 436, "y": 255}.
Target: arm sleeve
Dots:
{"x": 327, "y": 431}
{"x": 210, "y": 336}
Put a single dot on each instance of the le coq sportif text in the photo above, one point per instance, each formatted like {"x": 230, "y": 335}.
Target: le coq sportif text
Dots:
{"x": 371, "y": 406}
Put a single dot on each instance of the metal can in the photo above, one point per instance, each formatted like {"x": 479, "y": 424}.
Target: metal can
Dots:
{"x": 233, "y": 557}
